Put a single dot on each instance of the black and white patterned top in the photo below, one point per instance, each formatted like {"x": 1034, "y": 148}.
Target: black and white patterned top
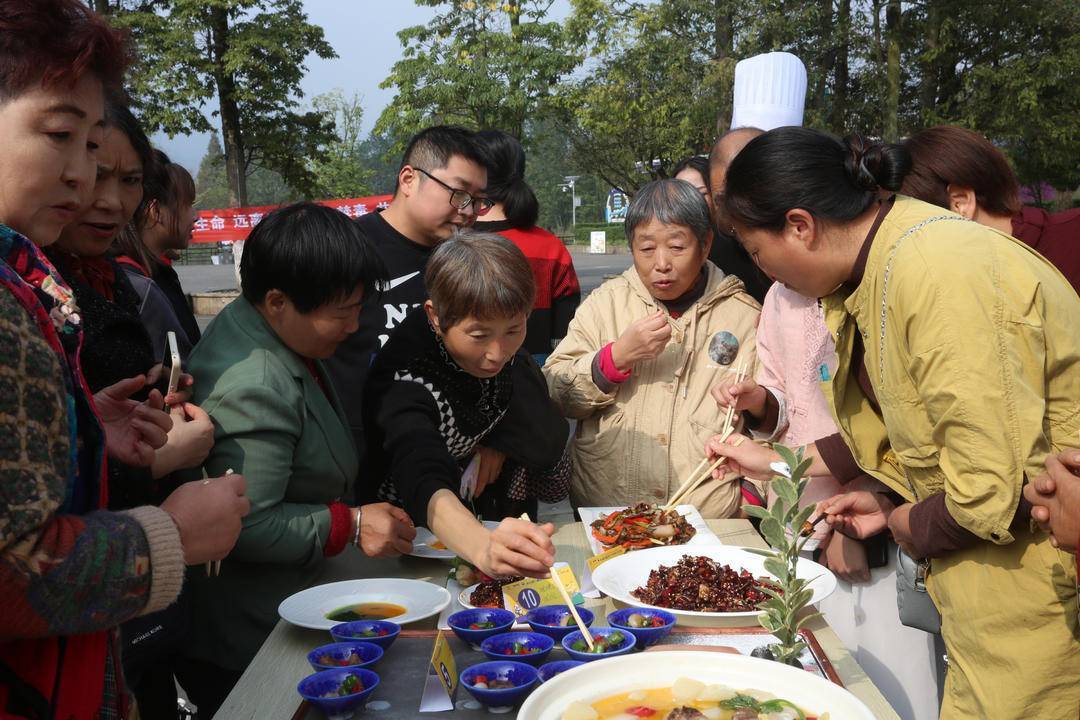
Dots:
{"x": 424, "y": 416}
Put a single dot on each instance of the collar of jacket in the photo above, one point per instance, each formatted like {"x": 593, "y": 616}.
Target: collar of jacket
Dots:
{"x": 325, "y": 406}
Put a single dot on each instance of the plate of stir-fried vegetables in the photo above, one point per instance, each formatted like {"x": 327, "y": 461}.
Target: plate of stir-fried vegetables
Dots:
{"x": 644, "y": 525}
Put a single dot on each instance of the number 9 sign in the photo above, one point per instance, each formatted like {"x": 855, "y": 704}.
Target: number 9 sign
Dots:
{"x": 529, "y": 598}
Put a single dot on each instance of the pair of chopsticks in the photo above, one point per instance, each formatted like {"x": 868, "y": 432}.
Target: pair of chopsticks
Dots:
{"x": 697, "y": 476}
{"x": 566, "y": 598}
{"x": 213, "y": 567}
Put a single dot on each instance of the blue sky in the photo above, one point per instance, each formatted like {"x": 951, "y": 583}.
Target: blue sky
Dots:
{"x": 364, "y": 35}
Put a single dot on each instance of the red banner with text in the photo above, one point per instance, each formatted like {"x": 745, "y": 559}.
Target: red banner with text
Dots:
{"x": 232, "y": 224}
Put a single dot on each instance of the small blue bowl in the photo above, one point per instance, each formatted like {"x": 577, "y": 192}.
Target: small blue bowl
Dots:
{"x": 369, "y": 654}
{"x": 459, "y": 622}
{"x": 551, "y": 669}
{"x": 314, "y": 687}
{"x": 384, "y": 632}
{"x": 624, "y": 647}
{"x": 501, "y": 700}
{"x": 545, "y": 620}
{"x": 496, "y": 647}
{"x": 646, "y": 636}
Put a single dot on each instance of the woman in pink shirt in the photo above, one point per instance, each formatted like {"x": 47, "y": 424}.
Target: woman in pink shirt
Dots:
{"x": 784, "y": 403}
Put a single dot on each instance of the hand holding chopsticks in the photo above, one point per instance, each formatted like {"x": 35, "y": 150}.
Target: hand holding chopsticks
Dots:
{"x": 566, "y": 598}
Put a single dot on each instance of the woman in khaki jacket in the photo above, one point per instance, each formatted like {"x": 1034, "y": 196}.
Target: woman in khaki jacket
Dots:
{"x": 641, "y": 354}
{"x": 958, "y": 374}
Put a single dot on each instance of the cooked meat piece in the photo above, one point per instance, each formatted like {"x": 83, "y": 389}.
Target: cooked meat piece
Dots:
{"x": 700, "y": 583}
{"x": 686, "y": 713}
{"x": 745, "y": 714}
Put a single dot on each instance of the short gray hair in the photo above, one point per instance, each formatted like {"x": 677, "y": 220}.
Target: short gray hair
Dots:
{"x": 671, "y": 202}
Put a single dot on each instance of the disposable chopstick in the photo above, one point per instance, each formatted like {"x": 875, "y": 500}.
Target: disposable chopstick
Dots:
{"x": 213, "y": 567}
{"x": 573, "y": 609}
{"x": 708, "y": 473}
{"x": 689, "y": 479}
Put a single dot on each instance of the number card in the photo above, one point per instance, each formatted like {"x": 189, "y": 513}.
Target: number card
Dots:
{"x": 524, "y": 595}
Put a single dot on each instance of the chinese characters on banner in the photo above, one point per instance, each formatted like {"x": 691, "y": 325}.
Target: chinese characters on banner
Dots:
{"x": 232, "y": 224}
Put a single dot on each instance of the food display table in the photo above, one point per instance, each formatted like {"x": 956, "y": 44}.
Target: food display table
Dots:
{"x": 267, "y": 689}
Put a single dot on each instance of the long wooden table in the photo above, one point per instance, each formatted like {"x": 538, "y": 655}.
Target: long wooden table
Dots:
{"x": 267, "y": 689}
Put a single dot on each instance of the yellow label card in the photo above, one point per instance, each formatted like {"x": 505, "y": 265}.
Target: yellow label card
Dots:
{"x": 597, "y": 560}
{"x": 524, "y": 595}
{"x": 443, "y": 665}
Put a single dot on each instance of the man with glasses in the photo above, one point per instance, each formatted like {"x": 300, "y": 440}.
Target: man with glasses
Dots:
{"x": 440, "y": 189}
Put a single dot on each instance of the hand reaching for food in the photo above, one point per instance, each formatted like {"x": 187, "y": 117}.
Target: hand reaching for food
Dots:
{"x": 518, "y": 547}
{"x": 743, "y": 458}
{"x": 860, "y": 514}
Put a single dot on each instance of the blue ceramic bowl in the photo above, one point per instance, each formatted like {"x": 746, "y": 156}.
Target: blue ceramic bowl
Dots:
{"x": 646, "y": 636}
{"x": 459, "y": 622}
{"x": 368, "y": 653}
{"x": 622, "y": 648}
{"x": 545, "y": 620}
{"x": 551, "y": 669}
{"x": 502, "y": 700}
{"x": 383, "y": 632}
{"x": 500, "y": 647}
{"x": 314, "y": 687}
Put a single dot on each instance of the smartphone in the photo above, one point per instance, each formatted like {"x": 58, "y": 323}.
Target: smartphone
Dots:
{"x": 171, "y": 369}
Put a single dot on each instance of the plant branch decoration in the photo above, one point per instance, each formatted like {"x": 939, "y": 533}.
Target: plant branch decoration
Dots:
{"x": 781, "y": 525}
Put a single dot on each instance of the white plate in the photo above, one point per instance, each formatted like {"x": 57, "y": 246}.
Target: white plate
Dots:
{"x": 463, "y": 598}
{"x": 424, "y": 538}
{"x": 308, "y": 608}
{"x": 597, "y": 680}
{"x": 619, "y": 576}
{"x": 703, "y": 536}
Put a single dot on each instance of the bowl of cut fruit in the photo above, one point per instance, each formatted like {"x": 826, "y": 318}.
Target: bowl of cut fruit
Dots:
{"x": 379, "y": 632}
{"x": 607, "y": 642}
{"x": 528, "y": 647}
{"x": 475, "y": 626}
{"x": 556, "y": 620}
{"x": 338, "y": 693}
{"x": 649, "y": 625}
{"x": 499, "y": 684}
{"x": 353, "y": 654}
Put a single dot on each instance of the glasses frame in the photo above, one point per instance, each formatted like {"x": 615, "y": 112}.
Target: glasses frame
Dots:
{"x": 480, "y": 206}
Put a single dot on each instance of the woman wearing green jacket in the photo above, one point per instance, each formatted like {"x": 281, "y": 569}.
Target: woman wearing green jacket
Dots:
{"x": 958, "y": 373}
{"x": 305, "y": 272}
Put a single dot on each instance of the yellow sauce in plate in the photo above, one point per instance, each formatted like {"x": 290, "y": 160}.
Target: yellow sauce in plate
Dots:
{"x": 366, "y": 611}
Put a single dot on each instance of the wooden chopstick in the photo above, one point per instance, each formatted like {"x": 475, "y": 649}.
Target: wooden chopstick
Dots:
{"x": 708, "y": 473}
{"x": 573, "y": 609}
{"x": 690, "y": 478}
{"x": 213, "y": 567}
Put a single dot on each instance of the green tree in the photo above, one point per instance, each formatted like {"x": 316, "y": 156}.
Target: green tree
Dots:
{"x": 478, "y": 63}
{"x": 211, "y": 185}
{"x": 342, "y": 172}
{"x": 248, "y": 56}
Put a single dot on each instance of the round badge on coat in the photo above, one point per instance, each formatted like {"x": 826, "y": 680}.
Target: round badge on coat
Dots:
{"x": 724, "y": 347}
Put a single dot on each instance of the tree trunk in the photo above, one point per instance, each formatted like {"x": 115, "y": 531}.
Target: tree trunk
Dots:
{"x": 231, "y": 133}
{"x": 889, "y": 125}
{"x": 828, "y": 43}
{"x": 723, "y": 31}
{"x": 838, "y": 118}
{"x": 517, "y": 128}
{"x": 928, "y": 89}
{"x": 101, "y": 7}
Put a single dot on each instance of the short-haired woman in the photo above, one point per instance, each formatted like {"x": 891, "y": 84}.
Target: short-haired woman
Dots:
{"x": 961, "y": 170}
{"x": 958, "y": 372}
{"x": 642, "y": 353}
{"x": 305, "y": 272}
{"x": 513, "y": 215}
{"x": 440, "y": 390}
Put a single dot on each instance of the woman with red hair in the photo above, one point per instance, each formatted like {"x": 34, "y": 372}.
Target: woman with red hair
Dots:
{"x": 70, "y": 570}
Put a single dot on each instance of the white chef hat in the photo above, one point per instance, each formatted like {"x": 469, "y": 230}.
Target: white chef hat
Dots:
{"x": 770, "y": 91}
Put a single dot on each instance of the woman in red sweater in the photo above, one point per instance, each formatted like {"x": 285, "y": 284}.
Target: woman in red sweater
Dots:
{"x": 514, "y": 217}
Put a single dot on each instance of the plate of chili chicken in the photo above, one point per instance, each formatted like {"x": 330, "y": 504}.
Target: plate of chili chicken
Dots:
{"x": 644, "y": 525}
{"x": 702, "y": 586}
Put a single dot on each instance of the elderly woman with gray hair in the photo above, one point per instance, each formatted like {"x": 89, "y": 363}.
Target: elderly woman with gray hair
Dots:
{"x": 642, "y": 353}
